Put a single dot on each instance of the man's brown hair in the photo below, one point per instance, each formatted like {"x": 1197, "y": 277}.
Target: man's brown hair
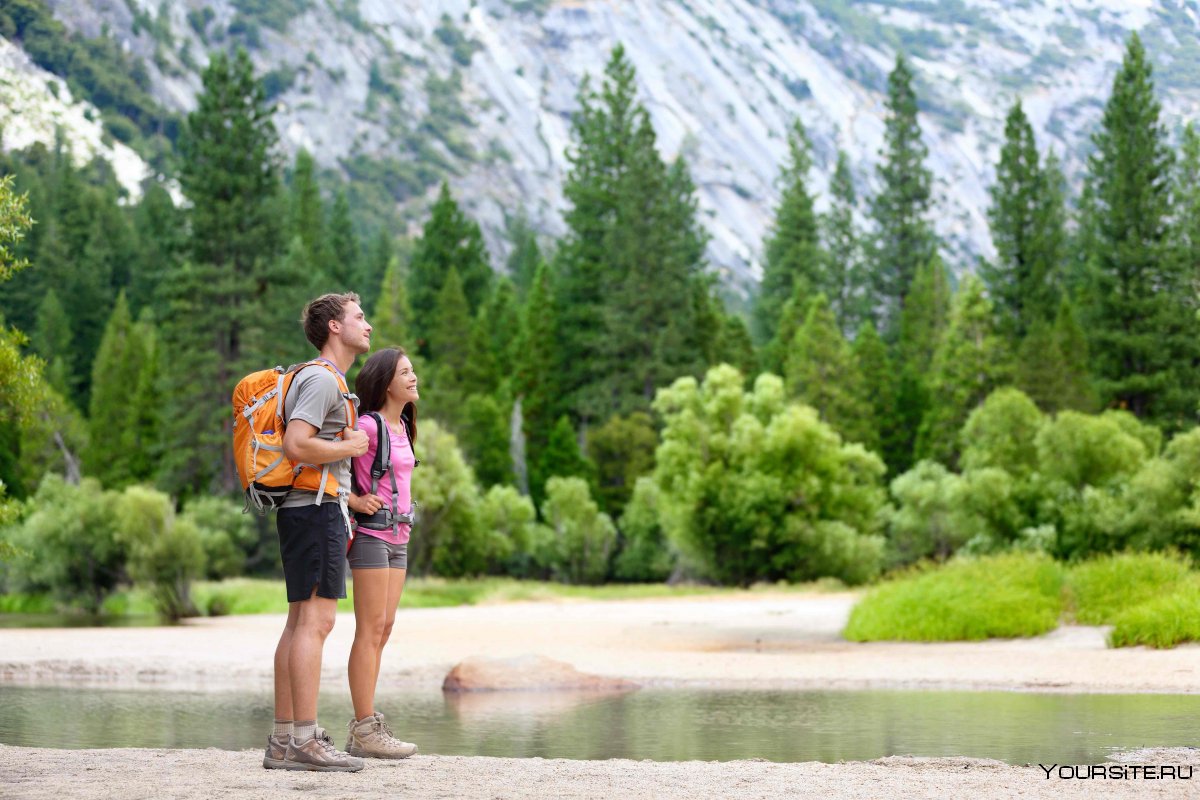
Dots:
{"x": 320, "y": 312}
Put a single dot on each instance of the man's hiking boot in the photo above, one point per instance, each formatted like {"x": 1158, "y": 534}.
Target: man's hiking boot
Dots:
{"x": 319, "y": 755}
{"x": 276, "y": 750}
{"x": 372, "y": 738}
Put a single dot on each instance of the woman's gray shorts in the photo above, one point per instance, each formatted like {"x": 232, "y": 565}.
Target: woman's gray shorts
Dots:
{"x": 371, "y": 552}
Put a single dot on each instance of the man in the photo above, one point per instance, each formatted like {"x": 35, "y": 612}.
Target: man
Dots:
{"x": 313, "y": 529}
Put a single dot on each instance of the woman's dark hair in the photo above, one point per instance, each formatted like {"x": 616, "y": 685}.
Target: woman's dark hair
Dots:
{"x": 372, "y": 383}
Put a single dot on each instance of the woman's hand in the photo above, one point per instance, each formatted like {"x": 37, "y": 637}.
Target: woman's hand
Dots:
{"x": 365, "y": 504}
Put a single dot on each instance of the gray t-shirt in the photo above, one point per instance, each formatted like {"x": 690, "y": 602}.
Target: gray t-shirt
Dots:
{"x": 315, "y": 397}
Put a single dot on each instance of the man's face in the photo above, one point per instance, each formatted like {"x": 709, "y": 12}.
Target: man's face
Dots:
{"x": 353, "y": 329}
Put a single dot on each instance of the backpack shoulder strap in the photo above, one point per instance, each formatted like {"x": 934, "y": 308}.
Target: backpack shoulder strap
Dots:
{"x": 383, "y": 450}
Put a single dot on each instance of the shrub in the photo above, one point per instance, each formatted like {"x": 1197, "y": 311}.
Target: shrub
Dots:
{"x": 1162, "y": 622}
{"x": 968, "y": 599}
{"x": 166, "y": 552}
{"x": 755, "y": 488}
{"x": 1104, "y": 588}
{"x": 583, "y": 537}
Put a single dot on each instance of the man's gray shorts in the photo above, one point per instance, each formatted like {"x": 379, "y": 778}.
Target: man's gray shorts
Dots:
{"x": 371, "y": 552}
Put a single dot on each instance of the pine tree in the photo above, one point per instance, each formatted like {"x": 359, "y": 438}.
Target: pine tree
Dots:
{"x": 1140, "y": 303}
{"x": 631, "y": 254}
{"x": 774, "y": 354}
{"x": 345, "y": 267}
{"x": 734, "y": 346}
{"x": 793, "y": 255}
{"x": 376, "y": 259}
{"x": 502, "y": 314}
{"x": 921, "y": 327}
{"x": 158, "y": 230}
{"x": 822, "y": 372}
{"x": 846, "y": 279}
{"x": 561, "y": 458}
{"x": 90, "y": 287}
{"x": 484, "y": 440}
{"x": 1027, "y": 221}
{"x": 537, "y": 372}
{"x": 306, "y": 220}
{"x": 450, "y": 241}
{"x": 1078, "y": 394}
{"x": 142, "y": 438}
{"x": 118, "y": 366}
{"x": 878, "y": 382}
{"x": 51, "y": 340}
{"x": 970, "y": 363}
{"x": 391, "y": 315}
{"x": 525, "y": 256}
{"x": 905, "y": 240}
{"x": 214, "y": 304}
{"x": 449, "y": 353}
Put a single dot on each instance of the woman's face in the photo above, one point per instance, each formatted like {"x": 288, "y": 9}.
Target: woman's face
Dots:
{"x": 403, "y": 387}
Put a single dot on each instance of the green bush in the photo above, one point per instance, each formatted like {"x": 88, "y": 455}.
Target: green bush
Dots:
{"x": 1162, "y": 622}
{"x": 165, "y": 552}
{"x": 68, "y": 543}
{"x": 996, "y": 597}
{"x": 1102, "y": 589}
{"x": 753, "y": 487}
{"x": 227, "y": 536}
{"x": 582, "y": 536}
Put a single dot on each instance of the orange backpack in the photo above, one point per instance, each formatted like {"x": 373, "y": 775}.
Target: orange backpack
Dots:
{"x": 266, "y": 474}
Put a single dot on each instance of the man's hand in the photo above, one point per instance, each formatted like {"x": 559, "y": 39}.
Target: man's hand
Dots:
{"x": 357, "y": 440}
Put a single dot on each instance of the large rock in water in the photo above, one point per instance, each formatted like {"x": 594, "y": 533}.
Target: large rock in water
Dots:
{"x": 525, "y": 673}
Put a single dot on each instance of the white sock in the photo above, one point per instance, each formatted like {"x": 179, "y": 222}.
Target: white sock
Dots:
{"x": 303, "y": 731}
{"x": 283, "y": 727}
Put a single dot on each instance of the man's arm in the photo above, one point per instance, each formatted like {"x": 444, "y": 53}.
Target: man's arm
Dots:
{"x": 301, "y": 445}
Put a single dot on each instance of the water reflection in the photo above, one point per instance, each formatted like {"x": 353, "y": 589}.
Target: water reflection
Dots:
{"x": 659, "y": 725}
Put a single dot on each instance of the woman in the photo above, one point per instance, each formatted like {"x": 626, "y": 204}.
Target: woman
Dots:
{"x": 378, "y": 556}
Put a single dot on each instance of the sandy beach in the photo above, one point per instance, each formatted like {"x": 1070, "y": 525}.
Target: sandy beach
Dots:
{"x": 754, "y": 640}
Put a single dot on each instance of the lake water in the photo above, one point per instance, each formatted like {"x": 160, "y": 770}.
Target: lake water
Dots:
{"x": 663, "y": 725}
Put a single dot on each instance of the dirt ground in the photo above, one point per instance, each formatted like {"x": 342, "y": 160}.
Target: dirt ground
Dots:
{"x": 750, "y": 641}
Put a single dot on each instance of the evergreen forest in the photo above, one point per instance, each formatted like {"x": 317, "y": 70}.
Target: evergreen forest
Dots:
{"x": 591, "y": 409}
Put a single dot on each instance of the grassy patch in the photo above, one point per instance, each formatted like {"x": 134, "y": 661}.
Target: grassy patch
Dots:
{"x": 997, "y": 597}
{"x": 1102, "y": 589}
{"x": 1162, "y": 622}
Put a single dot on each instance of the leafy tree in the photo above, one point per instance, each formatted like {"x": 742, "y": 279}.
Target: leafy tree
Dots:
{"x": 14, "y": 222}
{"x": 165, "y": 551}
{"x": 1002, "y": 432}
{"x": 792, "y": 252}
{"x": 1140, "y": 303}
{"x": 583, "y": 537}
{"x": 645, "y": 554}
{"x": 452, "y": 540}
{"x": 754, "y": 488}
{"x": 905, "y": 241}
{"x": 823, "y": 373}
{"x": 969, "y": 363}
{"x": 69, "y": 543}
{"x": 511, "y": 516}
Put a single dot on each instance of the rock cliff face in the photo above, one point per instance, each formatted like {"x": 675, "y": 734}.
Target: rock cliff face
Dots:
{"x": 481, "y": 91}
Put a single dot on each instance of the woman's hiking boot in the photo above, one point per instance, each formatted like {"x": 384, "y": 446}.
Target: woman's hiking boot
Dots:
{"x": 318, "y": 754}
{"x": 372, "y": 738}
